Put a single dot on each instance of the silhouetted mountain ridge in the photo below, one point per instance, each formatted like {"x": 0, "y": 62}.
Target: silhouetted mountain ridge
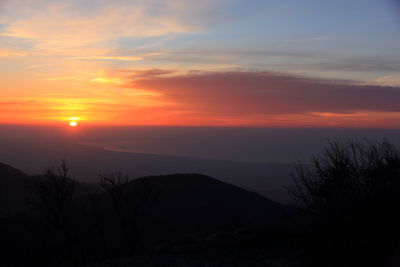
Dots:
{"x": 15, "y": 189}
{"x": 7, "y": 171}
{"x": 148, "y": 212}
{"x": 88, "y": 162}
{"x": 201, "y": 193}
{"x": 175, "y": 205}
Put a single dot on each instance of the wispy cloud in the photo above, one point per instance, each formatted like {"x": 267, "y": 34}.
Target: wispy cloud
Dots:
{"x": 37, "y": 66}
{"x": 67, "y": 26}
{"x": 11, "y": 53}
{"x": 388, "y": 80}
{"x": 361, "y": 64}
{"x": 64, "y": 78}
{"x": 122, "y": 58}
{"x": 144, "y": 73}
{"x": 107, "y": 80}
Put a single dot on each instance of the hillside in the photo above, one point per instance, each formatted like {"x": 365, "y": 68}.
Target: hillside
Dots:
{"x": 13, "y": 189}
{"x": 268, "y": 179}
{"x": 16, "y": 191}
{"x": 150, "y": 212}
{"x": 197, "y": 204}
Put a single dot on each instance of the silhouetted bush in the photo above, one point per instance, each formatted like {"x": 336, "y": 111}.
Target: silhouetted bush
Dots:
{"x": 350, "y": 201}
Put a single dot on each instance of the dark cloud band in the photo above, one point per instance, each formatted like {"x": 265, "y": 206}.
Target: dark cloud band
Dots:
{"x": 271, "y": 93}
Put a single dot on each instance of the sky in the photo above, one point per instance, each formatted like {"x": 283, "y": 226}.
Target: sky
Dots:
{"x": 266, "y": 63}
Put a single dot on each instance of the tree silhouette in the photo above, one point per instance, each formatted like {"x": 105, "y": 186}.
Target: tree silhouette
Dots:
{"x": 52, "y": 197}
{"x": 115, "y": 185}
{"x": 130, "y": 202}
{"x": 350, "y": 201}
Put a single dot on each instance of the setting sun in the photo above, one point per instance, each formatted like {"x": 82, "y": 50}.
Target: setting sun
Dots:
{"x": 73, "y": 123}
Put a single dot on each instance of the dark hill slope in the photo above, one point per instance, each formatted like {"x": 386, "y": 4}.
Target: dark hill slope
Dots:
{"x": 153, "y": 211}
{"x": 7, "y": 171}
{"x": 167, "y": 207}
{"x": 199, "y": 196}
{"x": 13, "y": 189}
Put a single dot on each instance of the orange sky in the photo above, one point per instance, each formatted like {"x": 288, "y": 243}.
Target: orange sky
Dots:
{"x": 156, "y": 63}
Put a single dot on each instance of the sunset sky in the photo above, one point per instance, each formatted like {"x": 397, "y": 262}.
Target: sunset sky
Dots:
{"x": 303, "y": 63}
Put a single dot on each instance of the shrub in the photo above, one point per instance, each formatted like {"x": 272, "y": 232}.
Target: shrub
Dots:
{"x": 350, "y": 199}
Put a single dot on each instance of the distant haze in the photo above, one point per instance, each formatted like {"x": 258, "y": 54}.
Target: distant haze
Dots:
{"x": 279, "y": 145}
{"x": 258, "y": 159}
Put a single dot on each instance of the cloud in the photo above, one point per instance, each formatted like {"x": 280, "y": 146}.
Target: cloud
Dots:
{"x": 363, "y": 64}
{"x": 106, "y": 80}
{"x": 255, "y": 93}
{"x": 10, "y": 53}
{"x": 68, "y": 27}
{"x": 122, "y": 58}
{"x": 163, "y": 96}
{"x": 55, "y": 26}
{"x": 145, "y": 73}
{"x": 295, "y": 57}
{"x": 218, "y": 56}
{"x": 64, "y": 78}
{"x": 37, "y": 66}
{"x": 388, "y": 80}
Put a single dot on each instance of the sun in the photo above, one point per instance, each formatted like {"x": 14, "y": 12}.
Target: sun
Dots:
{"x": 73, "y": 121}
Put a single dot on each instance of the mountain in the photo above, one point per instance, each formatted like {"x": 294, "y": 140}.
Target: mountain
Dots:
{"x": 86, "y": 162}
{"x": 193, "y": 204}
{"x": 145, "y": 213}
{"x": 8, "y": 172}
{"x": 16, "y": 189}
{"x": 200, "y": 196}
{"x": 13, "y": 189}
{"x": 164, "y": 208}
